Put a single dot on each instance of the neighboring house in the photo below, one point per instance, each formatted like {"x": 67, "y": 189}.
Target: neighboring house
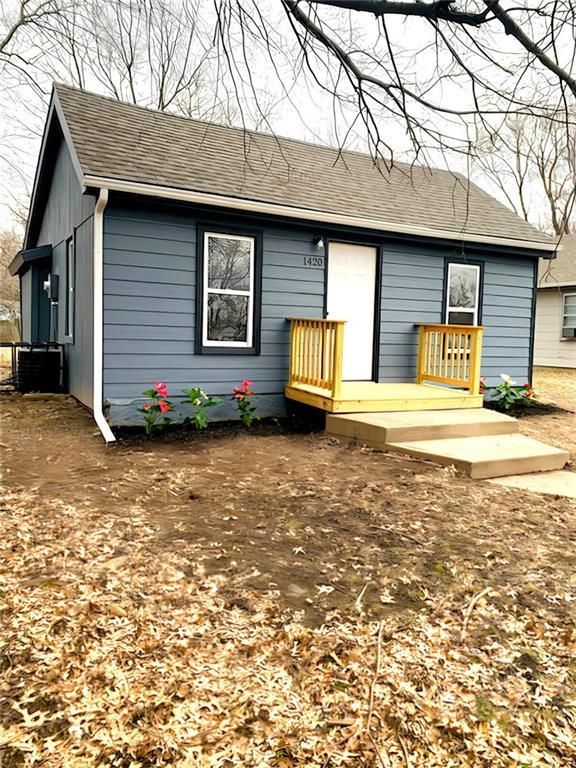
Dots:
{"x": 555, "y": 341}
{"x": 182, "y": 247}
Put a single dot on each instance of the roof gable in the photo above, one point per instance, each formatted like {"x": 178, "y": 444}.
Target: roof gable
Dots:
{"x": 55, "y": 131}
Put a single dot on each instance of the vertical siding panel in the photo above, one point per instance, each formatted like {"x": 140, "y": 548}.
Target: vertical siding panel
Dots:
{"x": 66, "y": 209}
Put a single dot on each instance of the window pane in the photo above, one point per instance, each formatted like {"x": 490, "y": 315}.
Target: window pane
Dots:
{"x": 229, "y": 263}
{"x": 570, "y": 303}
{"x": 463, "y": 286}
{"x": 70, "y": 278}
{"x": 227, "y": 317}
{"x": 460, "y": 318}
{"x": 569, "y": 332}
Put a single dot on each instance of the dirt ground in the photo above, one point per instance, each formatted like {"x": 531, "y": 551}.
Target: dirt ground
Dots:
{"x": 386, "y": 611}
{"x": 554, "y": 387}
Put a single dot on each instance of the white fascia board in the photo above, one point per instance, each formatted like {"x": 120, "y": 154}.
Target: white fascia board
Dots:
{"x": 553, "y": 286}
{"x": 275, "y": 209}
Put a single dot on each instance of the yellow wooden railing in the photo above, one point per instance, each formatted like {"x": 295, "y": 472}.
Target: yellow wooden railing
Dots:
{"x": 316, "y": 353}
{"x": 450, "y": 354}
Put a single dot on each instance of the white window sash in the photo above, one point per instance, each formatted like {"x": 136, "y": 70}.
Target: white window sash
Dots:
{"x": 468, "y": 310}
{"x": 568, "y": 317}
{"x": 70, "y": 279}
{"x": 206, "y": 342}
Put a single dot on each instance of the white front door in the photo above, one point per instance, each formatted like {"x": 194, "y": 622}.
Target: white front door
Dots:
{"x": 351, "y": 294}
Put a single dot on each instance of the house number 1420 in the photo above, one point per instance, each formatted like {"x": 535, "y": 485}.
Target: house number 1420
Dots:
{"x": 313, "y": 261}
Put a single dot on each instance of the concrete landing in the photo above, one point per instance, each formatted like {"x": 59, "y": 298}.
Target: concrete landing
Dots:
{"x": 481, "y": 442}
{"x": 559, "y": 483}
{"x": 488, "y": 456}
{"x": 379, "y": 429}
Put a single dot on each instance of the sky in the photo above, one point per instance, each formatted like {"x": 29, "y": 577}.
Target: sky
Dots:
{"x": 295, "y": 105}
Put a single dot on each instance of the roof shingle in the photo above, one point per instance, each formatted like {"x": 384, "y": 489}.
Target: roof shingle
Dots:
{"x": 132, "y": 143}
{"x": 560, "y": 271}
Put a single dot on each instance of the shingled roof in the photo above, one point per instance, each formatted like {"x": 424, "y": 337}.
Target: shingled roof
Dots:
{"x": 561, "y": 271}
{"x": 120, "y": 141}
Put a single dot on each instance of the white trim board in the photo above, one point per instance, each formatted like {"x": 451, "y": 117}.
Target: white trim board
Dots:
{"x": 276, "y": 209}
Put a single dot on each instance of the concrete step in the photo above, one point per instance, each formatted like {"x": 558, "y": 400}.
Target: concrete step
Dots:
{"x": 379, "y": 429}
{"x": 487, "y": 456}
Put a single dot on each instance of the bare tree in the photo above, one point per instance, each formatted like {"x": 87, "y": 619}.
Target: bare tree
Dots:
{"x": 417, "y": 78}
{"x": 10, "y": 243}
{"x": 29, "y": 15}
{"x": 142, "y": 51}
{"x": 436, "y": 67}
{"x": 532, "y": 163}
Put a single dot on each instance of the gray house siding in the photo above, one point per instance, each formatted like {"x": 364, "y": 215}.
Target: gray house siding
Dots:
{"x": 150, "y": 312}
{"x": 68, "y": 212}
{"x": 413, "y": 292}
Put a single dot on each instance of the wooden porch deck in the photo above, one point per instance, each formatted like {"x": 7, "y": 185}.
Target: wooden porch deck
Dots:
{"x": 447, "y": 371}
{"x": 370, "y": 397}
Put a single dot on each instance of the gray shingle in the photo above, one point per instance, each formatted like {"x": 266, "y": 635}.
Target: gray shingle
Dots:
{"x": 132, "y": 143}
{"x": 562, "y": 269}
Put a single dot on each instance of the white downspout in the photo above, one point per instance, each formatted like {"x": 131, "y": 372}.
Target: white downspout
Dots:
{"x": 98, "y": 275}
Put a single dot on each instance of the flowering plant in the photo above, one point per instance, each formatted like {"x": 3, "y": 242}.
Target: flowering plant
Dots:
{"x": 199, "y": 400}
{"x": 508, "y": 395}
{"x": 242, "y": 396}
{"x": 154, "y": 412}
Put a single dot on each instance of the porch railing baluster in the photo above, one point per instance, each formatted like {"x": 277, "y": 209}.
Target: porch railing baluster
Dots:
{"x": 450, "y": 354}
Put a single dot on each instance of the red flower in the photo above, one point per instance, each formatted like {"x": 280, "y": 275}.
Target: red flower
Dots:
{"x": 238, "y": 396}
{"x": 164, "y": 406}
{"x": 247, "y": 383}
{"x": 160, "y": 388}
{"x": 147, "y": 406}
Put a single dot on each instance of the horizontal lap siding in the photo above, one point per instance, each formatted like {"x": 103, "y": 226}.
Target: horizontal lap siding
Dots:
{"x": 550, "y": 348}
{"x": 150, "y": 310}
{"x": 412, "y": 284}
{"x": 507, "y": 318}
{"x": 413, "y": 290}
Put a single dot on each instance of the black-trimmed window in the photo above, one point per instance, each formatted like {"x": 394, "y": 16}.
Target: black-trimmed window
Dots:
{"x": 463, "y": 293}
{"x": 70, "y": 289}
{"x": 228, "y": 294}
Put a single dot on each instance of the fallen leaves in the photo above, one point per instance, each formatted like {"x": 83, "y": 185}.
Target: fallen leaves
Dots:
{"x": 116, "y": 653}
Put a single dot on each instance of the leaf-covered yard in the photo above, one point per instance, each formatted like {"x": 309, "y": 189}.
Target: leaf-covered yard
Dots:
{"x": 275, "y": 599}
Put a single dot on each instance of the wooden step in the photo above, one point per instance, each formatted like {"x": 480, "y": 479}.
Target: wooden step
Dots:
{"x": 379, "y": 429}
{"x": 488, "y": 456}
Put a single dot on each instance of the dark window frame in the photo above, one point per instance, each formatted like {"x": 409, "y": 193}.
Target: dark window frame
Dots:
{"x": 70, "y": 290}
{"x": 462, "y": 262}
{"x": 230, "y": 230}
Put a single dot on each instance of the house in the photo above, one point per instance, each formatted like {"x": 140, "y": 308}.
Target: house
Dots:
{"x": 176, "y": 249}
{"x": 555, "y": 340}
